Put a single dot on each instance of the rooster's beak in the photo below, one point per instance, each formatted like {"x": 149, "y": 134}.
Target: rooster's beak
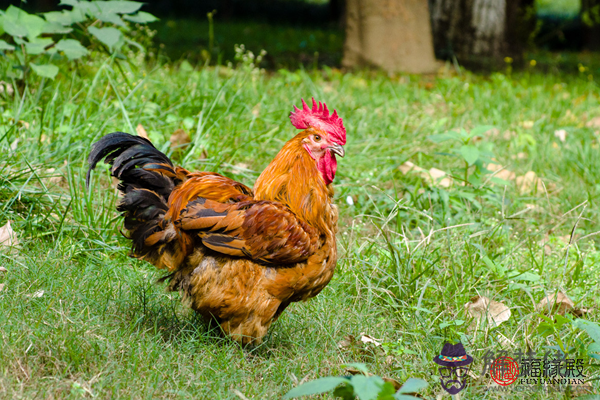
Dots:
{"x": 337, "y": 149}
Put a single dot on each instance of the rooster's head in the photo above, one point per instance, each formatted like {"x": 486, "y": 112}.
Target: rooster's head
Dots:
{"x": 324, "y": 136}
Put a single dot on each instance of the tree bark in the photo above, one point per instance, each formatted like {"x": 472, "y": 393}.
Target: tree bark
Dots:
{"x": 481, "y": 32}
{"x": 394, "y": 35}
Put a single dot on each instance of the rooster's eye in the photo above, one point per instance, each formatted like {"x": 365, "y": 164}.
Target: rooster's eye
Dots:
{"x": 317, "y": 138}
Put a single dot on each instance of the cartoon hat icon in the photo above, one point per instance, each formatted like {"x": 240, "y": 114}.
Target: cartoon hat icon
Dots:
{"x": 453, "y": 355}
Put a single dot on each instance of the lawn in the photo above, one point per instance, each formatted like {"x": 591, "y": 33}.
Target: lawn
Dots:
{"x": 80, "y": 319}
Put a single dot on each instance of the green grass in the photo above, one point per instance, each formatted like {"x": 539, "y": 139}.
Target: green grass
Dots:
{"x": 411, "y": 254}
{"x": 287, "y": 46}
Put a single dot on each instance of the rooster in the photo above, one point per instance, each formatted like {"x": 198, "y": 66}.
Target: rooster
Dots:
{"x": 238, "y": 256}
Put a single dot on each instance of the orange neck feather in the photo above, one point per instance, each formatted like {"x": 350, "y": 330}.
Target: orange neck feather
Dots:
{"x": 292, "y": 178}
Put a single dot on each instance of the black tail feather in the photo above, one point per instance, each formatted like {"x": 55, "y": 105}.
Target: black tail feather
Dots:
{"x": 147, "y": 179}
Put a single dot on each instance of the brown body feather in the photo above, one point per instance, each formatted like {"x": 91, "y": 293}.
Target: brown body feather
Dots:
{"x": 238, "y": 256}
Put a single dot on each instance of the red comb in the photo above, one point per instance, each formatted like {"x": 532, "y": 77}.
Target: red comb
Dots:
{"x": 318, "y": 117}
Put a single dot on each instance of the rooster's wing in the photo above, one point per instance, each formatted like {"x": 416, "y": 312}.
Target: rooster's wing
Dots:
{"x": 261, "y": 230}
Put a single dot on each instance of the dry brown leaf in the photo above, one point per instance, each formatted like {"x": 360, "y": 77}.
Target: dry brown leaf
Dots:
{"x": 348, "y": 341}
{"x": 438, "y": 176}
{"x": 56, "y": 179}
{"x": 141, "y": 131}
{"x": 6, "y": 88}
{"x": 558, "y": 302}
{"x": 480, "y": 307}
{"x": 8, "y": 236}
{"x": 593, "y": 123}
{"x": 502, "y": 173}
{"x": 180, "y": 139}
{"x": 527, "y": 124}
{"x": 582, "y": 389}
{"x": 256, "y": 110}
{"x": 368, "y": 339}
{"x": 2, "y": 269}
{"x": 507, "y": 135}
{"x": 530, "y": 181}
{"x": 561, "y": 134}
{"x": 409, "y": 166}
{"x": 37, "y": 294}
{"x": 1, "y": 286}
{"x": 433, "y": 176}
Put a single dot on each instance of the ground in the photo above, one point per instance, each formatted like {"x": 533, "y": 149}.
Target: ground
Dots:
{"x": 81, "y": 319}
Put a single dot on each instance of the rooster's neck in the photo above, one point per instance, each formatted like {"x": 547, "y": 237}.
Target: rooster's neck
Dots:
{"x": 293, "y": 179}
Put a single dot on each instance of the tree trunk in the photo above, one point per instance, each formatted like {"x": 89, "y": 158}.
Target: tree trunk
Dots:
{"x": 481, "y": 32}
{"x": 394, "y": 35}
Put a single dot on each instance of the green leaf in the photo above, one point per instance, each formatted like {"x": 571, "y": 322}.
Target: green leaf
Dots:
{"x": 72, "y": 48}
{"x": 480, "y": 130}
{"x": 112, "y": 18}
{"x": 591, "y": 328}
{"x": 400, "y": 396}
{"x": 13, "y": 28}
{"x": 442, "y": 137}
{"x": 345, "y": 392}
{"x": 525, "y": 276}
{"x": 120, "y": 7}
{"x": 45, "y": 70}
{"x": 38, "y": 45}
{"x": 387, "y": 392}
{"x": 55, "y": 27}
{"x": 59, "y": 17}
{"x": 6, "y": 46}
{"x": 413, "y": 385}
{"x": 109, "y": 36}
{"x": 315, "y": 387}
{"x": 470, "y": 153}
{"x": 71, "y": 3}
{"x": 367, "y": 388}
{"x": 33, "y": 24}
{"x": 141, "y": 17}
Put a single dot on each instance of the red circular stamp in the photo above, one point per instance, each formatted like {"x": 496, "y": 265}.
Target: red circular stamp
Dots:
{"x": 504, "y": 371}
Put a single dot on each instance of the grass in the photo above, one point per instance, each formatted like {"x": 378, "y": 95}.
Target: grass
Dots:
{"x": 411, "y": 254}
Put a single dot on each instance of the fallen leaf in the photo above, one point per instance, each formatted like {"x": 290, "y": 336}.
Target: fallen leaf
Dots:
{"x": 6, "y": 88}
{"x": 561, "y": 134}
{"x": 348, "y": 341}
{"x": 369, "y": 339}
{"x": 433, "y": 176}
{"x": 141, "y": 131}
{"x": 593, "y": 123}
{"x": 409, "y": 166}
{"x": 256, "y": 110}
{"x": 180, "y": 139}
{"x": 8, "y": 236}
{"x": 527, "y": 124}
{"x": 582, "y": 389}
{"x": 480, "y": 307}
{"x": 529, "y": 182}
{"x": 1, "y": 286}
{"x": 558, "y": 302}
{"x": 507, "y": 135}
{"x": 37, "y": 294}
{"x": 2, "y": 269}
{"x": 502, "y": 172}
